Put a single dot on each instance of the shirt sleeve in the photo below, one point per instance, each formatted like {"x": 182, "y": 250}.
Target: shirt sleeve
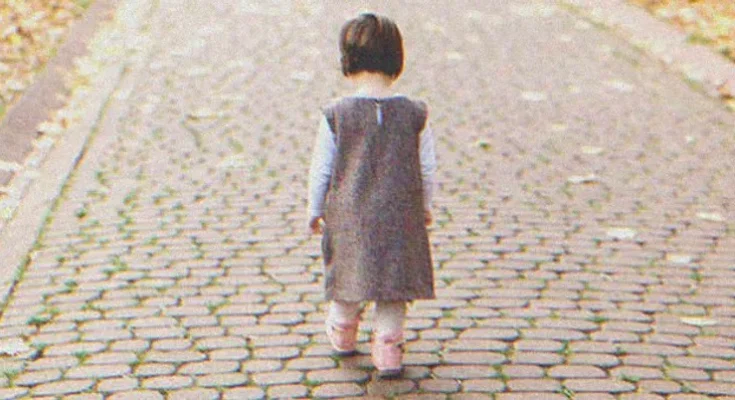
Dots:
{"x": 320, "y": 171}
{"x": 427, "y": 153}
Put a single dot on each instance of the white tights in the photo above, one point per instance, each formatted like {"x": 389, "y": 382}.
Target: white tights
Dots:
{"x": 389, "y": 315}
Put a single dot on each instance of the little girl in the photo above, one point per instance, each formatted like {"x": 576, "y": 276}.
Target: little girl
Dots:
{"x": 370, "y": 185}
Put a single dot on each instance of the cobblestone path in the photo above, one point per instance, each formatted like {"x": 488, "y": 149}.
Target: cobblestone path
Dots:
{"x": 584, "y": 239}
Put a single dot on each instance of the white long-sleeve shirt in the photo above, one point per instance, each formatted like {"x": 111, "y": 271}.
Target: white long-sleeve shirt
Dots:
{"x": 322, "y": 160}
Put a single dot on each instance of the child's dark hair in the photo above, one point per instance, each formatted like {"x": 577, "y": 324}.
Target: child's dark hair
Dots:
{"x": 371, "y": 43}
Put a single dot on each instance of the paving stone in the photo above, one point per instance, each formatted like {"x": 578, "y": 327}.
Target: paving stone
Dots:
{"x": 287, "y": 391}
{"x": 277, "y": 378}
{"x": 167, "y": 382}
{"x": 713, "y": 388}
{"x": 530, "y": 396}
{"x": 154, "y": 369}
{"x": 193, "y": 394}
{"x": 311, "y": 363}
{"x": 97, "y": 371}
{"x": 660, "y": 386}
{"x": 439, "y": 385}
{"x": 483, "y": 385}
{"x": 261, "y": 365}
{"x": 389, "y": 388}
{"x": 208, "y": 367}
{"x": 701, "y": 363}
{"x": 220, "y": 343}
{"x": 335, "y": 390}
{"x": 597, "y": 385}
{"x": 279, "y": 352}
{"x": 172, "y": 344}
{"x": 229, "y": 354}
{"x": 687, "y": 374}
{"x": 243, "y": 393}
{"x": 117, "y": 384}
{"x": 534, "y": 385}
{"x": 37, "y": 377}
{"x": 12, "y": 393}
{"x": 137, "y": 394}
{"x": 52, "y": 363}
{"x": 536, "y": 358}
{"x": 222, "y": 379}
{"x": 641, "y": 396}
{"x": 523, "y": 371}
{"x": 64, "y": 387}
{"x": 474, "y": 357}
{"x": 338, "y": 375}
{"x": 464, "y": 371}
{"x": 174, "y": 356}
{"x": 576, "y": 371}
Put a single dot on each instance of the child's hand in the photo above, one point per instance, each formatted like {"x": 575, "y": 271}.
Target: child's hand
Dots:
{"x": 428, "y": 218}
{"x": 315, "y": 225}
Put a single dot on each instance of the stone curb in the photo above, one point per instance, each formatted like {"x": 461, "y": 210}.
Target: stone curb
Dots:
{"x": 18, "y": 128}
{"x": 22, "y": 151}
{"x": 86, "y": 108}
{"x": 697, "y": 63}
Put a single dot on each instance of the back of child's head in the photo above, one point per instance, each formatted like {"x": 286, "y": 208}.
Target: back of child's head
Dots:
{"x": 371, "y": 43}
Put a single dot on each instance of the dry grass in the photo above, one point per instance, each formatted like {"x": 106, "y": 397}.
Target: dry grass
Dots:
{"x": 709, "y": 22}
{"x": 30, "y": 33}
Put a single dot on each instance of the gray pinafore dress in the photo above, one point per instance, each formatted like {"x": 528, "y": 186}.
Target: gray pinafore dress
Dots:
{"x": 375, "y": 245}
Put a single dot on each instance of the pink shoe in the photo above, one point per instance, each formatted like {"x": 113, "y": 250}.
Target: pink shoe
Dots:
{"x": 388, "y": 355}
{"x": 343, "y": 337}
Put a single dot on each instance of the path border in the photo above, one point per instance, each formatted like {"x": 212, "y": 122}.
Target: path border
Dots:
{"x": 18, "y": 128}
{"x": 21, "y": 233}
{"x": 699, "y": 64}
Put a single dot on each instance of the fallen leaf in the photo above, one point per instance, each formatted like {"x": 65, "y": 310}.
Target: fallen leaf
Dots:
{"x": 688, "y": 14}
{"x": 475, "y": 15}
{"x": 483, "y": 144}
{"x": 582, "y": 25}
{"x": 45, "y": 143}
{"x": 15, "y": 85}
{"x": 679, "y": 258}
{"x": 13, "y": 346}
{"x": 558, "y": 127}
{"x": 620, "y": 86}
{"x": 9, "y": 166}
{"x": 580, "y": 179}
{"x": 534, "y": 96}
{"x": 234, "y": 162}
{"x": 714, "y": 217}
{"x": 455, "y": 56}
{"x": 592, "y": 150}
{"x": 50, "y": 128}
{"x": 622, "y": 233}
{"x": 699, "y": 321}
{"x": 204, "y": 113}
{"x": 198, "y": 71}
{"x": 302, "y": 76}
{"x": 7, "y": 208}
{"x": 533, "y": 10}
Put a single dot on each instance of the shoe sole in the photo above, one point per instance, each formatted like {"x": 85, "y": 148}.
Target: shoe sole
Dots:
{"x": 344, "y": 353}
{"x": 389, "y": 373}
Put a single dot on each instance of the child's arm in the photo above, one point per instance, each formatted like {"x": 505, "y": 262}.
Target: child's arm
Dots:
{"x": 320, "y": 173}
{"x": 427, "y": 154}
